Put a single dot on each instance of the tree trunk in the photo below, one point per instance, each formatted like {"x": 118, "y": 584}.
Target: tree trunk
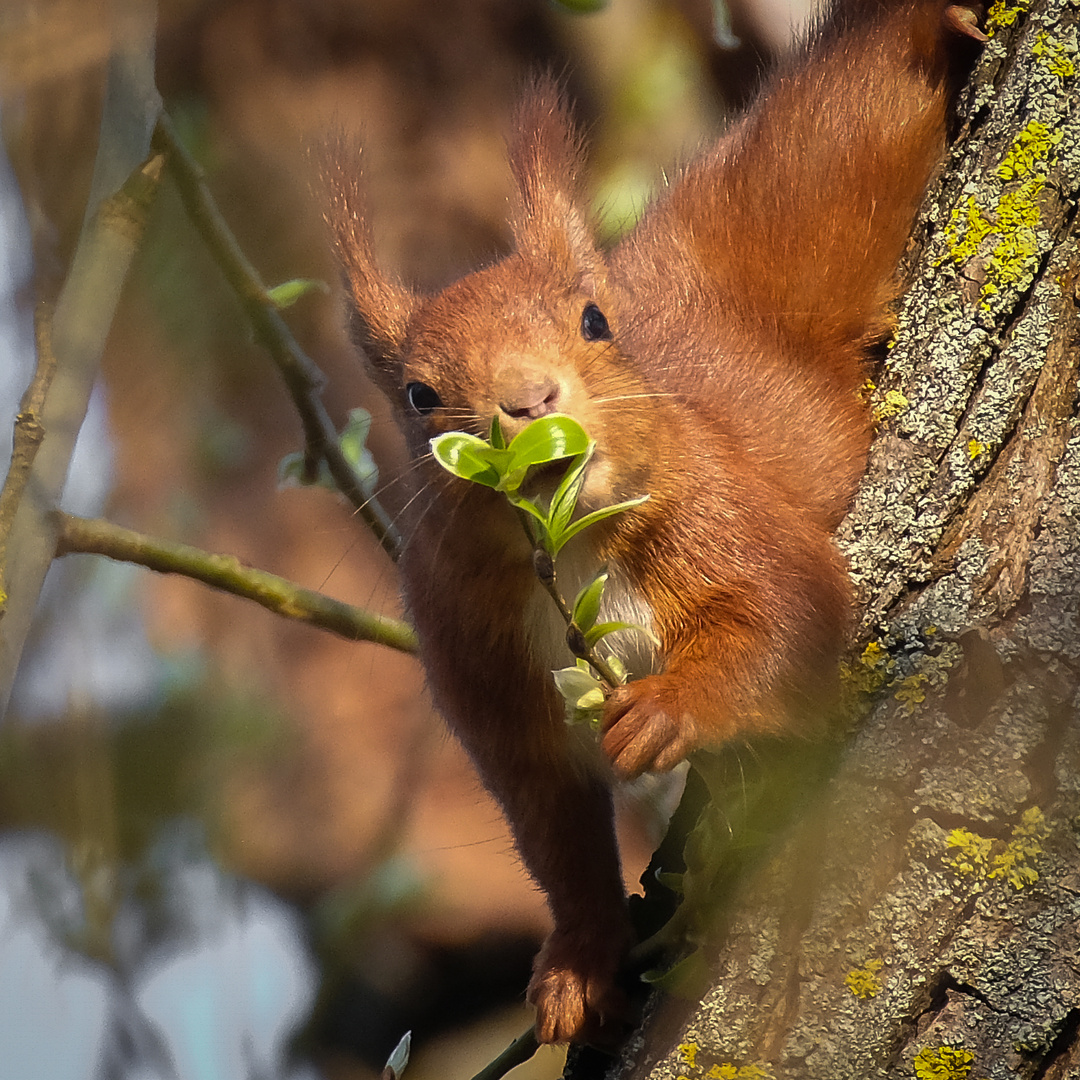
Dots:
{"x": 921, "y": 918}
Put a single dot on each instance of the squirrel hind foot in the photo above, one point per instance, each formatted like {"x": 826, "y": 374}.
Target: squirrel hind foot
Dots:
{"x": 575, "y": 994}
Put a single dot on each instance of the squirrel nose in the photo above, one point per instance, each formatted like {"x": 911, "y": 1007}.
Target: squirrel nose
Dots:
{"x": 528, "y": 398}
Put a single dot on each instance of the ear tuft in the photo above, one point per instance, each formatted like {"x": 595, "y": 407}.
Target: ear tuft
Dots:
{"x": 382, "y": 306}
{"x": 547, "y": 158}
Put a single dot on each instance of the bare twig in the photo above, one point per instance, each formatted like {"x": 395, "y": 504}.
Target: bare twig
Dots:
{"x": 226, "y": 572}
{"x": 79, "y": 326}
{"x": 29, "y": 434}
{"x": 520, "y": 1050}
{"x": 302, "y": 377}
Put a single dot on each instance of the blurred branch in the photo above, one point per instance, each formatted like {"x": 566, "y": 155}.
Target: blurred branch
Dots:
{"x": 111, "y": 233}
{"x": 226, "y": 572}
{"x": 302, "y": 377}
{"x": 519, "y": 1051}
{"x": 28, "y": 437}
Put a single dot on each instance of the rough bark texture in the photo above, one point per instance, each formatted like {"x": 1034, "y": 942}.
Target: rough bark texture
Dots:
{"x": 923, "y": 919}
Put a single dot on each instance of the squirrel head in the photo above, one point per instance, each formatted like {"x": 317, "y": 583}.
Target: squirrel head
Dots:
{"x": 533, "y": 334}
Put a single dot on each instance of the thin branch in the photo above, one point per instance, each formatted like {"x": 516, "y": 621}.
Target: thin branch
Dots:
{"x": 28, "y": 437}
{"x": 546, "y": 574}
{"x": 519, "y": 1051}
{"x": 78, "y": 329}
{"x": 302, "y": 377}
{"x": 227, "y": 573}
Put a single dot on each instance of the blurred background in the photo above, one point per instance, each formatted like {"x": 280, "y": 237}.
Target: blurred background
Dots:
{"x": 232, "y": 847}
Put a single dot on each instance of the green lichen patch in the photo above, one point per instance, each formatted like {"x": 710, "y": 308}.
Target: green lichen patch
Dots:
{"x": 943, "y": 1063}
{"x": 968, "y": 227}
{"x": 1030, "y": 152}
{"x": 727, "y": 1071}
{"x": 717, "y": 1070}
{"x": 871, "y": 672}
{"x": 973, "y": 852}
{"x": 1004, "y": 13}
{"x": 931, "y": 670}
{"x": 863, "y": 982}
{"x": 1054, "y": 56}
{"x": 1006, "y": 233}
{"x": 892, "y": 403}
{"x": 688, "y": 1052}
{"x": 927, "y": 663}
{"x": 911, "y": 693}
{"x": 1017, "y": 863}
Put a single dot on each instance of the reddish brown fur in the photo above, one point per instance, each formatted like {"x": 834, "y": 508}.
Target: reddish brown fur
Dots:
{"x": 740, "y": 310}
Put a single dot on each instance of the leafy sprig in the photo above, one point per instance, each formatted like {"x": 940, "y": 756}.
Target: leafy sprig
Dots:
{"x": 352, "y": 441}
{"x": 504, "y": 467}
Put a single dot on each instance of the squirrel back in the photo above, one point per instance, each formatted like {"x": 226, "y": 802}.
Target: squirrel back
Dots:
{"x": 715, "y": 356}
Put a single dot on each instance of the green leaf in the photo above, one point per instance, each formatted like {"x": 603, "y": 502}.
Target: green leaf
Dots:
{"x": 469, "y": 457}
{"x": 670, "y": 880}
{"x": 530, "y": 508}
{"x": 548, "y": 439}
{"x": 354, "y": 434}
{"x": 618, "y": 667}
{"x": 292, "y": 472}
{"x": 587, "y": 603}
{"x": 353, "y": 443}
{"x": 601, "y": 630}
{"x": 597, "y": 515}
{"x": 512, "y": 480}
{"x": 288, "y": 292}
{"x": 576, "y": 686}
{"x": 399, "y": 1057}
{"x": 583, "y": 694}
{"x": 682, "y": 980}
{"x": 566, "y": 494}
{"x": 504, "y": 468}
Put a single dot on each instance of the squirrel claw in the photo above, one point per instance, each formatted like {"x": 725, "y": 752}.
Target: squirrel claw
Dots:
{"x": 576, "y": 1001}
{"x": 964, "y": 19}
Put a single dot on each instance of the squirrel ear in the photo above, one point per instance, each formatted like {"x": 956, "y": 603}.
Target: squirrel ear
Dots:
{"x": 381, "y": 307}
{"x": 547, "y": 159}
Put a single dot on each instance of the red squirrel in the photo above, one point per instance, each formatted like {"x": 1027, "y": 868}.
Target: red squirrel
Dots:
{"x": 715, "y": 355}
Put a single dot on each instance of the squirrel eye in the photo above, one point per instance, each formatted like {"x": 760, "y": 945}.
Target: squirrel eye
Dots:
{"x": 423, "y": 398}
{"x": 594, "y": 327}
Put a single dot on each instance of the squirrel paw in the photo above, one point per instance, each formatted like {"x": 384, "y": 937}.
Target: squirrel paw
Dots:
{"x": 646, "y": 728}
{"x": 573, "y": 990}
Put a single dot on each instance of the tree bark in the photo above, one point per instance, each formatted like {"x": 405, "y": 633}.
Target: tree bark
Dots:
{"x": 921, "y": 917}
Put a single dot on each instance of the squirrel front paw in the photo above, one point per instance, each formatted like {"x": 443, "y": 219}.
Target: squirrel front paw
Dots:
{"x": 573, "y": 990}
{"x": 646, "y": 727}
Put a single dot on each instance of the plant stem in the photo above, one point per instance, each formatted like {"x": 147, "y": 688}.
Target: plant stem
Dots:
{"x": 73, "y": 337}
{"x": 520, "y": 1050}
{"x": 29, "y": 434}
{"x": 544, "y": 565}
{"x": 227, "y": 573}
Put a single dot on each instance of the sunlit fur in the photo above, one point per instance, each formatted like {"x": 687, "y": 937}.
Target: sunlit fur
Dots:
{"x": 740, "y": 310}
